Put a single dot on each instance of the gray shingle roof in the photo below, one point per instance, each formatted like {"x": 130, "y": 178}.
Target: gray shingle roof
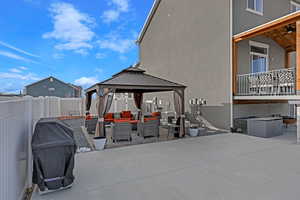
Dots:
{"x": 135, "y": 76}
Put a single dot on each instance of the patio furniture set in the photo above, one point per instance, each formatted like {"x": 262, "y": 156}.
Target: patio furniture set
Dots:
{"x": 124, "y": 123}
{"x": 275, "y": 82}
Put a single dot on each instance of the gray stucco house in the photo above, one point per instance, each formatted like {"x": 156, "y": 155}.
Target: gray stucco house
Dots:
{"x": 240, "y": 55}
{"x": 52, "y": 86}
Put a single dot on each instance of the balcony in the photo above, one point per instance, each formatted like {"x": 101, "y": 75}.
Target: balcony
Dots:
{"x": 271, "y": 83}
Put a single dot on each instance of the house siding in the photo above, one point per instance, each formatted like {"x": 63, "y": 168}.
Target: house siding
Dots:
{"x": 244, "y": 20}
{"x": 189, "y": 42}
{"x": 42, "y": 89}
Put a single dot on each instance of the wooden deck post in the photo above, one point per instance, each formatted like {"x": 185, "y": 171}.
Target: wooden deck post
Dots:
{"x": 287, "y": 60}
{"x": 234, "y": 66}
{"x": 298, "y": 57}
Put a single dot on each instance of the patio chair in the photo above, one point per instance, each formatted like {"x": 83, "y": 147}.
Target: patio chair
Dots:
{"x": 266, "y": 84}
{"x": 90, "y": 124}
{"x": 285, "y": 82}
{"x": 121, "y": 131}
{"x": 253, "y": 84}
{"x": 149, "y": 128}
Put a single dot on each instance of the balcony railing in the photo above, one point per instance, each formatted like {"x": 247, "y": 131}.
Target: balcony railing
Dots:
{"x": 275, "y": 82}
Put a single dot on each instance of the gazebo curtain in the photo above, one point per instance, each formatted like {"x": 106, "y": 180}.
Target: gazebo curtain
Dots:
{"x": 138, "y": 100}
{"x": 88, "y": 101}
{"x": 179, "y": 109}
{"x": 104, "y": 102}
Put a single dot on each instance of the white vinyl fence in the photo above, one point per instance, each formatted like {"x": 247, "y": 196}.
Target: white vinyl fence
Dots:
{"x": 15, "y": 133}
{"x": 17, "y": 120}
{"x": 18, "y": 117}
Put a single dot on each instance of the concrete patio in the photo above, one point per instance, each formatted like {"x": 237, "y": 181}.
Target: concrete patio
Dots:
{"x": 225, "y": 166}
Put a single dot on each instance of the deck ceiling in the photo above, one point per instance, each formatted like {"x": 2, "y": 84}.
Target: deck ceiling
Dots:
{"x": 284, "y": 38}
{"x": 277, "y": 30}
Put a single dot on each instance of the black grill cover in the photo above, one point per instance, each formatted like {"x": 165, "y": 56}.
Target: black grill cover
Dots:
{"x": 53, "y": 148}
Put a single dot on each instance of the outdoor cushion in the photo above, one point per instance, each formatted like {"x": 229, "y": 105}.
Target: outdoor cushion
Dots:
{"x": 126, "y": 114}
{"x": 122, "y": 120}
{"x": 88, "y": 117}
{"x": 150, "y": 118}
{"x": 156, "y": 114}
{"x": 109, "y": 117}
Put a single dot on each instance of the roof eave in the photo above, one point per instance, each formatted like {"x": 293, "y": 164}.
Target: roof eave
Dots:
{"x": 148, "y": 21}
{"x": 281, "y": 21}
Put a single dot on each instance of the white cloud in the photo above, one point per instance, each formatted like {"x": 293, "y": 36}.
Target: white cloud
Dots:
{"x": 83, "y": 52}
{"x": 122, "y": 5}
{"x": 10, "y": 87}
{"x": 29, "y": 76}
{"x": 15, "y": 80}
{"x": 100, "y": 55}
{"x": 15, "y": 70}
{"x": 58, "y": 56}
{"x": 15, "y": 56}
{"x": 72, "y": 28}
{"x": 18, "y": 70}
{"x": 116, "y": 43}
{"x": 99, "y": 70}
{"x": 23, "y": 68}
{"x": 17, "y": 49}
{"x": 111, "y": 15}
{"x": 86, "y": 81}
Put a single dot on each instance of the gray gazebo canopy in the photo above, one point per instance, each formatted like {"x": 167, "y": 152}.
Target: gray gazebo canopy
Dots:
{"x": 132, "y": 80}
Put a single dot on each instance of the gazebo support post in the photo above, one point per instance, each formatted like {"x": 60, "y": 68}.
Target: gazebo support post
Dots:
{"x": 88, "y": 102}
{"x": 103, "y": 105}
{"x": 179, "y": 105}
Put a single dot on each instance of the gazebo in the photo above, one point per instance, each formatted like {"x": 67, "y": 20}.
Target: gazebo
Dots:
{"x": 133, "y": 80}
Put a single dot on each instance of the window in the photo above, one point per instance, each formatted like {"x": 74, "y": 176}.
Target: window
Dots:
{"x": 259, "y": 57}
{"x": 255, "y": 6}
{"x": 51, "y": 89}
{"x": 295, "y": 6}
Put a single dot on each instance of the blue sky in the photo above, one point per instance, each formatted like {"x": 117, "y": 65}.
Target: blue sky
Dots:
{"x": 79, "y": 41}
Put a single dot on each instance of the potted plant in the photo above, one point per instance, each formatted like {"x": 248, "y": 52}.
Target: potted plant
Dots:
{"x": 194, "y": 130}
{"x": 99, "y": 142}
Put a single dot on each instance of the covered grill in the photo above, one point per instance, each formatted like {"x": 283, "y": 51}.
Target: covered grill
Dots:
{"x": 53, "y": 148}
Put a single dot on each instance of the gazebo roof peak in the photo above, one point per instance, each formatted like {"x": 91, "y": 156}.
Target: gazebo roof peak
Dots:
{"x": 131, "y": 69}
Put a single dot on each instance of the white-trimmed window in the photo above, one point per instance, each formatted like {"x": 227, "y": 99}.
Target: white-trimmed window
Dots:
{"x": 294, "y": 6}
{"x": 259, "y": 57}
{"x": 255, "y": 6}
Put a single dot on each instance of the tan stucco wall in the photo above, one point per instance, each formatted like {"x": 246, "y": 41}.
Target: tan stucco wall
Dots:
{"x": 189, "y": 42}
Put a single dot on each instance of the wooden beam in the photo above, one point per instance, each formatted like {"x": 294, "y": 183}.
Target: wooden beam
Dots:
{"x": 287, "y": 60}
{"x": 297, "y": 57}
{"x": 262, "y": 29}
{"x": 234, "y": 66}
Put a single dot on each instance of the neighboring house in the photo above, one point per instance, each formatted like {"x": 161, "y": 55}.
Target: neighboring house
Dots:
{"x": 53, "y": 87}
{"x": 226, "y": 52}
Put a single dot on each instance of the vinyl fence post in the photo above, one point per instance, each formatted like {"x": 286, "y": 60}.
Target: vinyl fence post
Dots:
{"x": 28, "y": 114}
